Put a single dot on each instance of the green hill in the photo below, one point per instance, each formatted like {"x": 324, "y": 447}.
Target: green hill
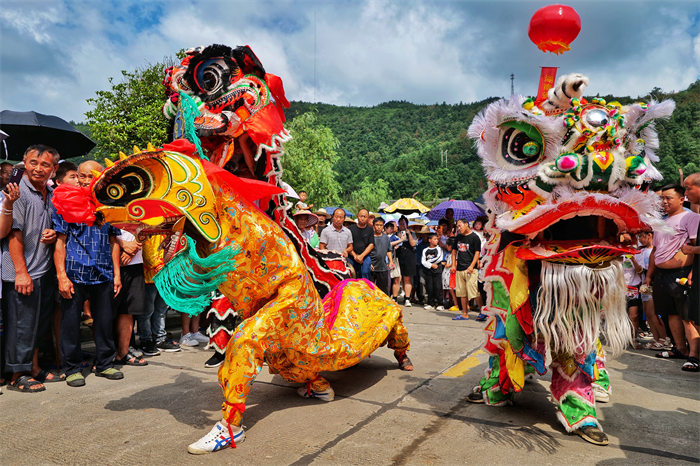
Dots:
{"x": 424, "y": 148}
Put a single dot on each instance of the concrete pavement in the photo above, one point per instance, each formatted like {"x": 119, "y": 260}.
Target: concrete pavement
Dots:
{"x": 381, "y": 415}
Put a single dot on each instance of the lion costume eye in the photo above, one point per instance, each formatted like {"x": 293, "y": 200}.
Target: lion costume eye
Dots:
{"x": 521, "y": 144}
{"x": 131, "y": 184}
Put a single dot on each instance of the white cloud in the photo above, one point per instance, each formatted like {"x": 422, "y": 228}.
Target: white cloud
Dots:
{"x": 55, "y": 55}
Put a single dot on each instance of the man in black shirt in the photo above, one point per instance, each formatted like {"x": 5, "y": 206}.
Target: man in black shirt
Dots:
{"x": 381, "y": 255}
{"x": 362, "y": 244}
{"x": 465, "y": 257}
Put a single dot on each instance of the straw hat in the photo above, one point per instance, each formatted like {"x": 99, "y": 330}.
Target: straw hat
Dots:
{"x": 424, "y": 230}
{"x": 322, "y": 213}
{"x": 311, "y": 218}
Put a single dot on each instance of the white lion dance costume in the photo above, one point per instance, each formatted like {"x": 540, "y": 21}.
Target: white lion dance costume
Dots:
{"x": 566, "y": 178}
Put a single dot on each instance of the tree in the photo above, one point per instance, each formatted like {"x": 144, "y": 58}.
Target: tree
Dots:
{"x": 129, "y": 113}
{"x": 308, "y": 160}
{"x": 369, "y": 196}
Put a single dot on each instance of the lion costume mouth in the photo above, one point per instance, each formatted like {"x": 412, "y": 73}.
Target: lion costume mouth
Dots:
{"x": 581, "y": 227}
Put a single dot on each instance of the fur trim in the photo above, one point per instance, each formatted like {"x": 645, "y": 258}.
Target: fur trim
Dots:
{"x": 573, "y": 300}
{"x": 570, "y": 86}
{"x": 275, "y": 147}
{"x": 486, "y": 130}
{"x": 647, "y": 206}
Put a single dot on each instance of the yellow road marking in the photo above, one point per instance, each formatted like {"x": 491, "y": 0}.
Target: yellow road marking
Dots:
{"x": 464, "y": 366}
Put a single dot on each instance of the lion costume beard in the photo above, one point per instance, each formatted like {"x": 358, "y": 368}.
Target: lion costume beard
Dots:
{"x": 572, "y": 302}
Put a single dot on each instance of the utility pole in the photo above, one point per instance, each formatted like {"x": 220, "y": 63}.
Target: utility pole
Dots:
{"x": 512, "y": 85}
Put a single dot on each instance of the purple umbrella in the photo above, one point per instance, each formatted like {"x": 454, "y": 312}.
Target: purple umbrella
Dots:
{"x": 463, "y": 210}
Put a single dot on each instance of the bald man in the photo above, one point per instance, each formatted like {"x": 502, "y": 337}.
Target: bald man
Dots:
{"x": 85, "y": 175}
{"x": 87, "y": 259}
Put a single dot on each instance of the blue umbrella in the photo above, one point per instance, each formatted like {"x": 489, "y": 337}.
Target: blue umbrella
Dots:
{"x": 330, "y": 211}
{"x": 463, "y": 210}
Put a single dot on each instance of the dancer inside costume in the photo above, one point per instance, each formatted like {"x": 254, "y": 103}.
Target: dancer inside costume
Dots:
{"x": 567, "y": 177}
{"x": 223, "y": 100}
{"x": 217, "y": 238}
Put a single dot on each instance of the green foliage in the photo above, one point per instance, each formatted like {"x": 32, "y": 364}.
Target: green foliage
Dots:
{"x": 342, "y": 153}
{"x": 369, "y": 196}
{"x": 129, "y": 113}
{"x": 679, "y": 136}
{"x": 416, "y": 148}
{"x": 308, "y": 160}
{"x": 424, "y": 149}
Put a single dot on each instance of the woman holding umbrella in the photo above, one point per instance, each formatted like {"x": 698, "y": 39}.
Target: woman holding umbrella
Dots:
{"x": 406, "y": 253}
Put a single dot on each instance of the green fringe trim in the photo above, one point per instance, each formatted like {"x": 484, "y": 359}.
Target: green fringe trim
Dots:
{"x": 182, "y": 283}
{"x": 189, "y": 113}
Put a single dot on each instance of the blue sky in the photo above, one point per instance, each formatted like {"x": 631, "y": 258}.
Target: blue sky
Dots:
{"x": 55, "y": 54}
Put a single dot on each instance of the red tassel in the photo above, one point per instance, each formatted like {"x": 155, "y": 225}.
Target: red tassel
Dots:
{"x": 235, "y": 407}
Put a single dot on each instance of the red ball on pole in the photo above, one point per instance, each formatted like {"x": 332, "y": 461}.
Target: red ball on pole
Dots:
{"x": 554, "y": 27}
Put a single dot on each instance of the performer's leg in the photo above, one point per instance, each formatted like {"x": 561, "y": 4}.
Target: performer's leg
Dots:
{"x": 398, "y": 341}
{"x": 315, "y": 386}
{"x": 573, "y": 393}
{"x": 489, "y": 390}
{"x": 601, "y": 387}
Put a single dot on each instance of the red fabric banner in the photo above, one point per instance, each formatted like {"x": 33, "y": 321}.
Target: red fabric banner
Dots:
{"x": 548, "y": 76}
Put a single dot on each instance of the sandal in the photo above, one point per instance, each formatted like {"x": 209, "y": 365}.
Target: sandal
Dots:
{"x": 691, "y": 365}
{"x": 460, "y": 317}
{"x": 45, "y": 376}
{"x": 26, "y": 384}
{"x": 476, "y": 396}
{"x": 592, "y": 434}
{"x": 130, "y": 359}
{"x": 672, "y": 354}
{"x": 405, "y": 363}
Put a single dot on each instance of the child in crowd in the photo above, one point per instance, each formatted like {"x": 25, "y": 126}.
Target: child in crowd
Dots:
{"x": 394, "y": 272}
{"x": 302, "y": 205}
{"x": 380, "y": 255}
{"x": 448, "y": 277}
{"x": 660, "y": 341}
{"x": 419, "y": 291}
{"x": 431, "y": 260}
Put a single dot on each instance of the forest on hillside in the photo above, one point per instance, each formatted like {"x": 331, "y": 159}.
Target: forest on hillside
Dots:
{"x": 423, "y": 149}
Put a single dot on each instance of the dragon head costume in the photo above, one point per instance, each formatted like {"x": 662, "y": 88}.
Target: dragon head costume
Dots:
{"x": 568, "y": 186}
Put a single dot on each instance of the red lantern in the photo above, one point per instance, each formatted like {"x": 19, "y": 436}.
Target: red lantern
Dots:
{"x": 554, "y": 27}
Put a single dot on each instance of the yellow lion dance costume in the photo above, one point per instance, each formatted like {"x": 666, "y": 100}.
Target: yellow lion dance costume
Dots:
{"x": 214, "y": 237}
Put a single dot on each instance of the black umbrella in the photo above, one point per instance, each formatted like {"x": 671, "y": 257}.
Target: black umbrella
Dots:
{"x": 29, "y": 128}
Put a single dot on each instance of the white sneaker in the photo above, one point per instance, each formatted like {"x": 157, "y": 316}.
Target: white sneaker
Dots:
{"x": 188, "y": 340}
{"x": 407, "y": 303}
{"x": 200, "y": 337}
{"x": 440, "y": 308}
{"x": 427, "y": 307}
{"x": 217, "y": 439}
{"x": 326, "y": 395}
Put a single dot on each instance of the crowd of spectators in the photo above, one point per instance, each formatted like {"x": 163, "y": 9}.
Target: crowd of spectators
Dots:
{"x": 414, "y": 264}
{"x": 59, "y": 275}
